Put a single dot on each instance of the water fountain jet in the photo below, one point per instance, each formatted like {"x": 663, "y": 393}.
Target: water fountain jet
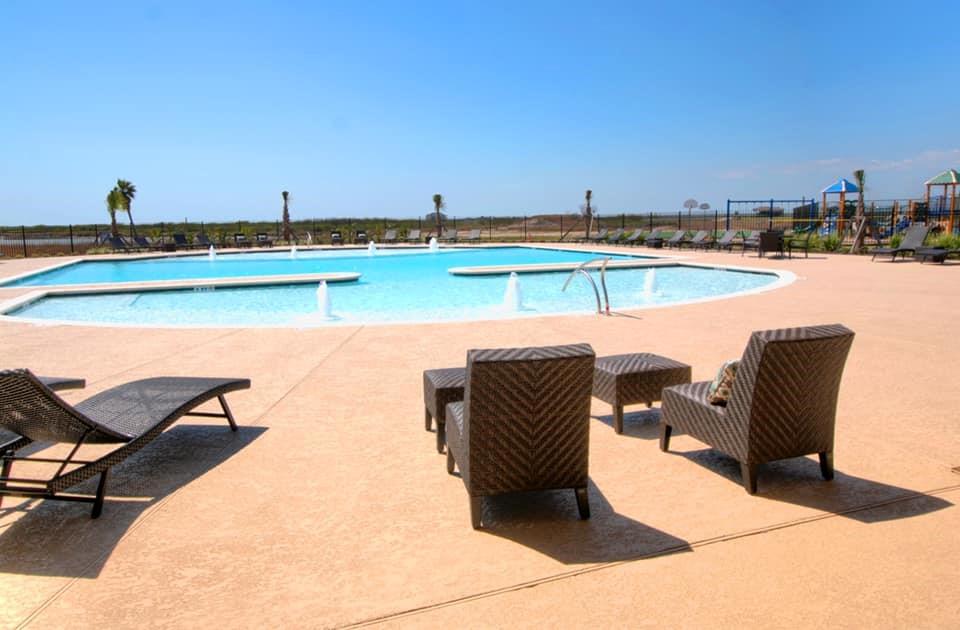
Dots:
{"x": 512, "y": 297}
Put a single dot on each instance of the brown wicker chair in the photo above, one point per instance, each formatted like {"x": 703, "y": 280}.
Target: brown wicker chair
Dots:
{"x": 524, "y": 423}
{"x": 783, "y": 403}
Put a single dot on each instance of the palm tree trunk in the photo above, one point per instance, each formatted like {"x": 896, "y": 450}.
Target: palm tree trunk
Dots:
{"x": 114, "y": 230}
{"x": 133, "y": 227}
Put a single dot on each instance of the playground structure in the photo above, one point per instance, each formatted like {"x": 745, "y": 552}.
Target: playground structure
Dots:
{"x": 949, "y": 180}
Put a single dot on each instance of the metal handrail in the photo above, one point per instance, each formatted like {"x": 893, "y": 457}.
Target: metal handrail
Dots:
{"x": 603, "y": 282}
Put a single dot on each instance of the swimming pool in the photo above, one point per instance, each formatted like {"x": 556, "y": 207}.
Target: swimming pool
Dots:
{"x": 393, "y": 287}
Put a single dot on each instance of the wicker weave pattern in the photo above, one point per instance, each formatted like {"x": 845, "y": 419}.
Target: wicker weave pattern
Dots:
{"x": 31, "y": 409}
{"x": 783, "y": 402}
{"x": 625, "y": 379}
{"x": 524, "y": 423}
{"x": 440, "y": 387}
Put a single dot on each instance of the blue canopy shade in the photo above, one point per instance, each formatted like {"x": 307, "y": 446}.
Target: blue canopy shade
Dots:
{"x": 841, "y": 185}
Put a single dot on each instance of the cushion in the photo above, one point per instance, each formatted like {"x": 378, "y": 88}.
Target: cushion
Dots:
{"x": 722, "y": 385}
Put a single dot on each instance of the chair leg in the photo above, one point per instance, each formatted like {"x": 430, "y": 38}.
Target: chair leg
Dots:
{"x": 582, "y": 503}
{"x": 475, "y": 509}
{"x": 5, "y": 471}
{"x": 665, "y": 431}
{"x": 441, "y": 437}
{"x": 826, "y": 465}
{"x": 227, "y": 412}
{"x": 618, "y": 419}
{"x": 450, "y": 462}
{"x": 98, "y": 501}
{"x": 749, "y": 473}
{"x": 428, "y": 419}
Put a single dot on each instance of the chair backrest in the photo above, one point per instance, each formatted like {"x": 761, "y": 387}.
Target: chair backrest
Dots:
{"x": 474, "y": 234}
{"x": 141, "y": 241}
{"x": 414, "y": 233}
{"x": 202, "y": 239}
{"x": 603, "y": 233}
{"x": 450, "y": 234}
{"x": 915, "y": 236}
{"x": 336, "y": 235}
{"x": 180, "y": 239}
{"x": 785, "y": 392}
{"x": 117, "y": 242}
{"x": 678, "y": 235}
{"x": 31, "y": 409}
{"x": 262, "y": 236}
{"x": 700, "y": 236}
{"x": 728, "y": 237}
{"x": 390, "y": 235}
{"x": 527, "y": 418}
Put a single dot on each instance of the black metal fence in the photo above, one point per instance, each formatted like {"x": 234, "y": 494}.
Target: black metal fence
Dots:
{"x": 885, "y": 217}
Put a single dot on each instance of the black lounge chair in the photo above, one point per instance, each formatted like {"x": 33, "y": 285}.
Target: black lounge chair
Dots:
{"x": 181, "y": 242}
{"x": 615, "y": 237}
{"x": 336, "y": 237}
{"x": 413, "y": 236}
{"x": 360, "y": 237}
{"x": 750, "y": 241}
{"x": 600, "y": 236}
{"x": 936, "y": 254}
{"x": 800, "y": 241}
{"x": 783, "y": 402}
{"x": 472, "y": 236}
{"x": 913, "y": 240}
{"x": 677, "y": 239}
{"x": 203, "y": 240}
{"x": 141, "y": 242}
{"x": 700, "y": 239}
{"x": 727, "y": 240}
{"x": 634, "y": 237}
{"x": 131, "y": 415}
{"x": 449, "y": 236}
{"x": 524, "y": 423}
{"x": 117, "y": 244}
{"x": 390, "y": 236}
{"x": 263, "y": 240}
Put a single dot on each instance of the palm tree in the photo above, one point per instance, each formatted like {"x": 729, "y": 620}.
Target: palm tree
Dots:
{"x": 129, "y": 192}
{"x": 286, "y": 216}
{"x": 861, "y": 219}
{"x": 587, "y": 210}
{"x": 438, "y": 205}
{"x": 115, "y": 202}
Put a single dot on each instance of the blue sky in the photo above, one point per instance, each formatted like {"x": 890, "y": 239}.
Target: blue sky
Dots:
{"x": 368, "y": 108}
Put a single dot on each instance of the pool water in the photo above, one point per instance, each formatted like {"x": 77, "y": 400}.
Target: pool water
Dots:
{"x": 393, "y": 288}
{"x": 385, "y": 264}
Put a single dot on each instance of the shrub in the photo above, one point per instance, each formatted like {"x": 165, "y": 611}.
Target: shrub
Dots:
{"x": 831, "y": 243}
{"x": 946, "y": 241}
{"x": 895, "y": 240}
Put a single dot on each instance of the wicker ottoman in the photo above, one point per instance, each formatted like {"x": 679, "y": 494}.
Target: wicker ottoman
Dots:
{"x": 626, "y": 379}
{"x": 439, "y": 388}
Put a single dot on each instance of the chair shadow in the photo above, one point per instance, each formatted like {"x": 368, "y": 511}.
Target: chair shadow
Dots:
{"x": 58, "y": 538}
{"x": 798, "y": 481}
{"x": 643, "y": 423}
{"x": 549, "y": 522}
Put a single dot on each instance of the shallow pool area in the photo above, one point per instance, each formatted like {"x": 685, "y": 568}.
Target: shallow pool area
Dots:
{"x": 410, "y": 287}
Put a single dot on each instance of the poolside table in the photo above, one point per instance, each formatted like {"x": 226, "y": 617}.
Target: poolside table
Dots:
{"x": 626, "y": 379}
{"x": 440, "y": 387}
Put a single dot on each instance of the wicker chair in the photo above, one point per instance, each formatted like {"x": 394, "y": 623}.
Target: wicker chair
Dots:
{"x": 783, "y": 403}
{"x": 130, "y": 415}
{"x": 524, "y": 423}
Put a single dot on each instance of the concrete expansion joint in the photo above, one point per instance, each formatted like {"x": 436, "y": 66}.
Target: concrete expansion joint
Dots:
{"x": 656, "y": 554}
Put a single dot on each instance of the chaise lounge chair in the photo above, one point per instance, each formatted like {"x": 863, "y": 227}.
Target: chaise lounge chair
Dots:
{"x": 783, "y": 402}
{"x": 472, "y": 237}
{"x": 727, "y": 240}
{"x": 800, "y": 241}
{"x": 336, "y": 237}
{"x": 413, "y": 236}
{"x": 913, "y": 240}
{"x": 263, "y": 240}
{"x": 117, "y": 244}
{"x": 677, "y": 239}
{"x": 390, "y": 236}
{"x": 701, "y": 239}
{"x": 750, "y": 241}
{"x": 448, "y": 236}
{"x": 524, "y": 423}
{"x": 131, "y": 415}
{"x": 180, "y": 241}
{"x": 360, "y": 237}
{"x": 635, "y": 237}
{"x": 599, "y": 237}
{"x": 203, "y": 240}
{"x": 614, "y": 238}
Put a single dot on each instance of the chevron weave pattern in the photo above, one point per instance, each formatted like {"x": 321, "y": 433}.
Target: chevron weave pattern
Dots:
{"x": 784, "y": 399}
{"x": 524, "y": 422}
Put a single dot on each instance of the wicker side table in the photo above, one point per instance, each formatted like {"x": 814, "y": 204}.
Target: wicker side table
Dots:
{"x": 439, "y": 388}
{"x": 626, "y": 379}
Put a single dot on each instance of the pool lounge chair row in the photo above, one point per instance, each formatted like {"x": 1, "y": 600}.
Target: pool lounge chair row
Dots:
{"x": 523, "y": 421}
{"x": 912, "y": 245}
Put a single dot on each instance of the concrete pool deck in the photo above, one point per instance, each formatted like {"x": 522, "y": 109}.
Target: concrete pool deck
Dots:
{"x": 331, "y": 506}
